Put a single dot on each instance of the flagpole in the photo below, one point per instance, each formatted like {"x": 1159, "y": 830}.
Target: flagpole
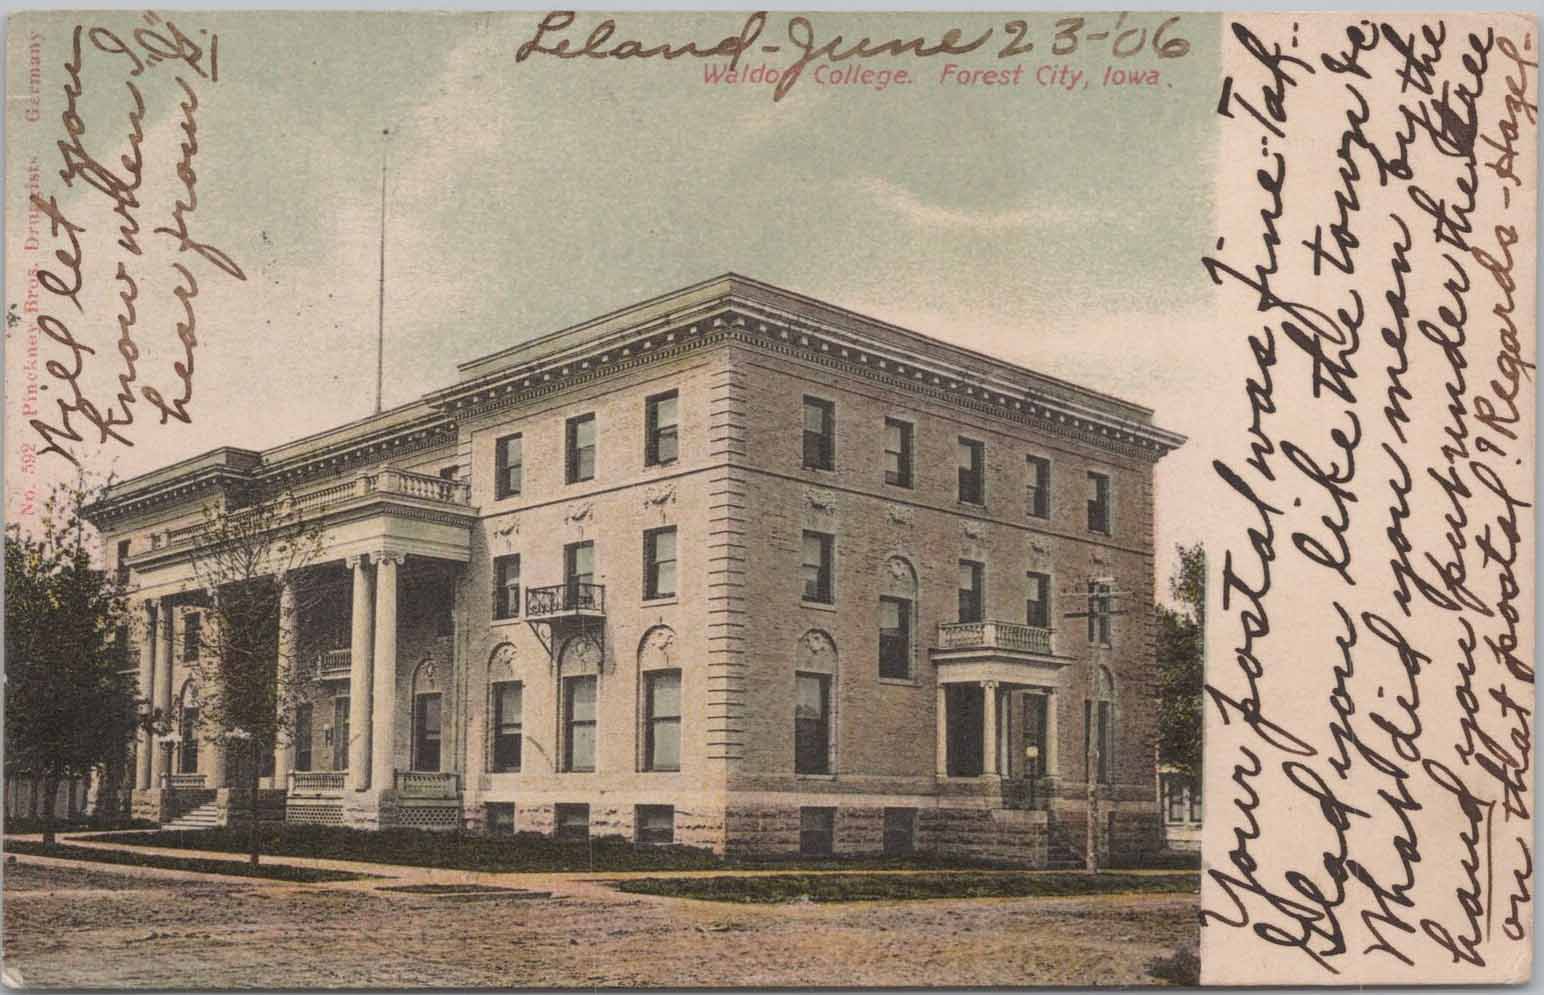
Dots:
{"x": 380, "y": 297}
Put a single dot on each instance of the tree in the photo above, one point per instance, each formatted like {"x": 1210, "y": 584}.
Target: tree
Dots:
{"x": 69, "y": 708}
{"x": 249, "y": 555}
{"x": 1181, "y": 663}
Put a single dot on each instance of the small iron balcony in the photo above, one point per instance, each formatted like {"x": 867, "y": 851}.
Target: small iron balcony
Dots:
{"x": 572, "y": 599}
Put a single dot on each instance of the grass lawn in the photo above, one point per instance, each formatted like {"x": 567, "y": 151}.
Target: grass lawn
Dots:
{"x": 446, "y": 850}
{"x": 890, "y": 887}
{"x": 123, "y": 857}
{"x": 522, "y": 852}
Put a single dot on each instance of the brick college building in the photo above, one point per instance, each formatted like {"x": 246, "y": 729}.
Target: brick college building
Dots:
{"x": 731, "y": 567}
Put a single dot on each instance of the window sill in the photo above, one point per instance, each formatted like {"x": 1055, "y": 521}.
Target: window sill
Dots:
{"x": 657, "y": 464}
{"x": 903, "y": 682}
{"x": 814, "y": 777}
{"x": 819, "y": 606}
{"x": 500, "y": 622}
{"x": 660, "y": 770}
{"x": 818, "y": 469}
{"x": 900, "y": 486}
{"x": 578, "y": 770}
{"x": 660, "y": 602}
{"x": 977, "y": 506}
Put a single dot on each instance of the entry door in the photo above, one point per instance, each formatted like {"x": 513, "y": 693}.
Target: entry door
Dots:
{"x": 1036, "y": 743}
{"x": 340, "y": 734}
{"x": 426, "y": 732}
{"x": 965, "y": 717}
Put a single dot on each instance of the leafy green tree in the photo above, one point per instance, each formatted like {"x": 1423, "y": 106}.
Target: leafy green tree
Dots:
{"x": 69, "y": 708}
{"x": 1181, "y": 659}
{"x": 244, "y": 554}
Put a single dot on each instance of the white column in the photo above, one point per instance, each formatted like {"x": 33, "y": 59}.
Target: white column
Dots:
{"x": 163, "y": 688}
{"x": 989, "y": 728}
{"x": 284, "y": 751}
{"x": 384, "y": 710}
{"x": 943, "y": 730}
{"x": 361, "y": 664}
{"x": 146, "y": 743}
{"x": 1052, "y": 700}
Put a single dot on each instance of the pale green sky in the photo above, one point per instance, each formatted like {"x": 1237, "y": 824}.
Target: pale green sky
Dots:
{"x": 1057, "y": 228}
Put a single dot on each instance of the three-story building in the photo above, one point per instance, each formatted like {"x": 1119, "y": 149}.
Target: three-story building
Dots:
{"x": 730, "y": 567}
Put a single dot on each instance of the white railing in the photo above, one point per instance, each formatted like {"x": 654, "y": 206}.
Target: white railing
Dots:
{"x": 386, "y": 480}
{"x": 317, "y": 782}
{"x": 993, "y": 634}
{"x": 333, "y": 664}
{"x": 187, "y": 781}
{"x": 427, "y": 784}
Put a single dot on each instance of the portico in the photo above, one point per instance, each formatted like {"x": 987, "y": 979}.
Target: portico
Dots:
{"x": 379, "y": 527}
{"x": 997, "y": 706}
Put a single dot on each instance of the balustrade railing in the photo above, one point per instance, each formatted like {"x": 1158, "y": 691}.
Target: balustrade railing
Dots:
{"x": 562, "y": 599}
{"x": 317, "y": 782}
{"x": 427, "y": 784}
{"x": 333, "y": 664}
{"x": 187, "y": 781}
{"x": 992, "y": 634}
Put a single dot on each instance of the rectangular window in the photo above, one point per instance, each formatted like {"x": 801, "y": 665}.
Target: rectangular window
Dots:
{"x": 1099, "y": 503}
{"x": 1101, "y": 607}
{"x": 123, "y": 561}
{"x": 897, "y": 452}
{"x": 1175, "y": 791}
{"x": 655, "y": 823}
{"x": 900, "y": 831}
{"x": 816, "y": 567}
{"x": 572, "y": 822}
{"x": 579, "y": 723}
{"x": 812, "y": 724}
{"x": 302, "y": 737}
{"x": 972, "y": 459}
{"x": 340, "y": 734}
{"x": 662, "y": 440}
{"x": 1037, "y": 600}
{"x": 819, "y": 434}
{"x": 581, "y": 449}
{"x": 972, "y": 596}
{"x": 426, "y": 732}
{"x": 1039, "y": 491}
{"x": 817, "y": 832}
{"x": 511, "y": 466}
{"x": 662, "y": 717}
{"x": 192, "y": 635}
{"x": 1195, "y": 800}
{"x": 507, "y": 725}
{"x": 895, "y": 638}
{"x": 501, "y": 818}
{"x": 506, "y": 586}
{"x": 659, "y": 563}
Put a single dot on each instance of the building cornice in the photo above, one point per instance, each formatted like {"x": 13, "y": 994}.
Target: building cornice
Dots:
{"x": 728, "y": 309}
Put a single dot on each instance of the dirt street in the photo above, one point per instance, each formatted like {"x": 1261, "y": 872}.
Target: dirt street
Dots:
{"x": 68, "y": 927}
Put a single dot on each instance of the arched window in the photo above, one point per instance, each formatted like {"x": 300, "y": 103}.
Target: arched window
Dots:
{"x": 814, "y": 719}
{"x": 428, "y": 712}
{"x": 579, "y": 686}
{"x": 662, "y": 705}
{"x": 897, "y": 619}
{"x": 506, "y": 711}
{"x": 1099, "y": 726}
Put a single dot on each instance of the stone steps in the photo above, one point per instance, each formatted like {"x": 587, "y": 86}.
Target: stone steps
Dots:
{"x": 203, "y": 817}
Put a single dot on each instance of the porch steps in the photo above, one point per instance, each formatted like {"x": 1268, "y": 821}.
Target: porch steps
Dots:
{"x": 202, "y": 817}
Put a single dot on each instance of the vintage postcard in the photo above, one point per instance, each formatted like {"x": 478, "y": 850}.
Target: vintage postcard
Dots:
{"x": 754, "y": 499}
